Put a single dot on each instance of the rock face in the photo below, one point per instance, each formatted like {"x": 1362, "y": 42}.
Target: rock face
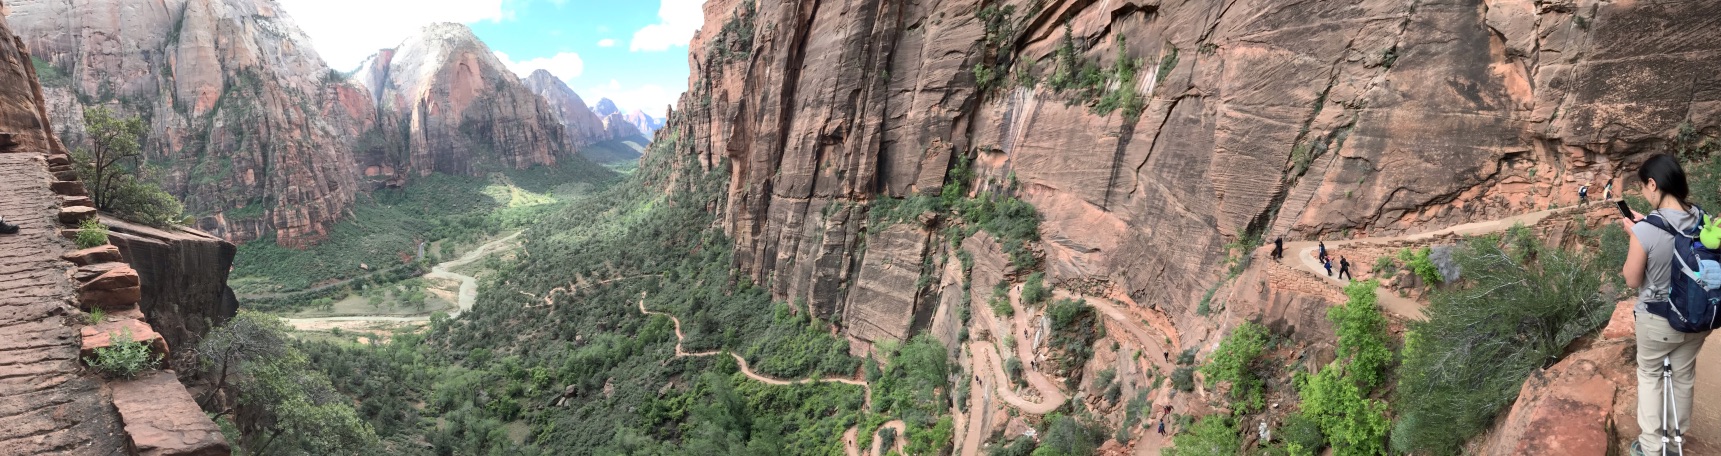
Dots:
{"x": 1258, "y": 118}
{"x": 461, "y": 110}
{"x": 241, "y": 111}
{"x": 582, "y": 126}
{"x": 186, "y": 273}
{"x": 646, "y": 124}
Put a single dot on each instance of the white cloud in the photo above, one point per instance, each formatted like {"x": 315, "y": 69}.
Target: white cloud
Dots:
{"x": 346, "y": 31}
{"x": 566, "y": 65}
{"x": 651, "y": 98}
{"x": 606, "y": 42}
{"x": 678, "y": 20}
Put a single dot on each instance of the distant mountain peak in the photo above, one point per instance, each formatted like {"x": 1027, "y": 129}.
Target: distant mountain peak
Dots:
{"x": 605, "y": 107}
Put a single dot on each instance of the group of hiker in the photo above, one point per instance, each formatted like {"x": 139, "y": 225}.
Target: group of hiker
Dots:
{"x": 1325, "y": 259}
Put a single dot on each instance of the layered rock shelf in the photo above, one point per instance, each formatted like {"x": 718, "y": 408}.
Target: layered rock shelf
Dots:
{"x": 49, "y": 402}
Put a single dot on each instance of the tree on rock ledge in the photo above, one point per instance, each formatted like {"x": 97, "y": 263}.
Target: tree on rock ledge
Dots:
{"x": 109, "y": 169}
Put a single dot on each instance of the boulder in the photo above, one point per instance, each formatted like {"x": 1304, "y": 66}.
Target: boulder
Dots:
{"x": 1623, "y": 324}
{"x": 102, "y": 335}
{"x": 1572, "y": 408}
{"x": 122, "y": 276}
{"x": 93, "y": 255}
{"x": 162, "y": 419}
{"x": 109, "y": 299}
{"x": 68, "y": 188}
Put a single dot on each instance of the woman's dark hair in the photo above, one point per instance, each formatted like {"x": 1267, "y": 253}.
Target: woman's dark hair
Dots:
{"x": 1668, "y": 176}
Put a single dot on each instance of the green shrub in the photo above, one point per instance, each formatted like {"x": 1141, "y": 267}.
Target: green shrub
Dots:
{"x": 1301, "y": 434}
{"x": 1034, "y": 291}
{"x": 1183, "y": 378}
{"x": 1233, "y": 361}
{"x": 1066, "y": 436}
{"x": 1384, "y": 267}
{"x": 1353, "y": 423}
{"x": 1417, "y": 261}
{"x": 92, "y": 233}
{"x": 1488, "y": 333}
{"x": 95, "y": 316}
{"x": 1362, "y": 334}
{"x": 125, "y": 358}
{"x": 1212, "y": 436}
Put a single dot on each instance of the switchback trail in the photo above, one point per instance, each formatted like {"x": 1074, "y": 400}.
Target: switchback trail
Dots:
{"x": 850, "y": 443}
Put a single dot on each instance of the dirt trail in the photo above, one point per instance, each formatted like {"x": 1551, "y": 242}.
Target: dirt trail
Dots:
{"x": 1307, "y": 253}
{"x": 467, "y": 295}
{"x": 850, "y": 441}
{"x": 1706, "y": 415}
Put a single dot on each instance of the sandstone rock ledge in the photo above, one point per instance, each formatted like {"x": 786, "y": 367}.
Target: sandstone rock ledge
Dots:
{"x": 163, "y": 419}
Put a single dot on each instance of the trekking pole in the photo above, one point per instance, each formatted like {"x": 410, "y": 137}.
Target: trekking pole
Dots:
{"x": 1670, "y": 406}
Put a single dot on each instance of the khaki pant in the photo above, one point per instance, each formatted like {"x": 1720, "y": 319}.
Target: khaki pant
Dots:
{"x": 1657, "y": 340}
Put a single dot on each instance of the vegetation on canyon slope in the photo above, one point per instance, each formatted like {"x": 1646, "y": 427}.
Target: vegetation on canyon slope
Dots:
{"x": 387, "y": 225}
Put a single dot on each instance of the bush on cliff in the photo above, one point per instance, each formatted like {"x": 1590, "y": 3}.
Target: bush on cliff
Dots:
{"x": 125, "y": 358}
{"x": 1233, "y": 363}
{"x": 1515, "y": 311}
{"x": 91, "y": 233}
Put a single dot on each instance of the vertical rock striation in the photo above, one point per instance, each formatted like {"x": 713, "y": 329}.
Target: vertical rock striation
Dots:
{"x": 1258, "y": 118}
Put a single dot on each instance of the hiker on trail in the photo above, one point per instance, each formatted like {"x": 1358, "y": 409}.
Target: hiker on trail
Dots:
{"x": 1584, "y": 194}
{"x": 1168, "y": 357}
{"x": 7, "y": 228}
{"x": 1161, "y": 427}
{"x": 1279, "y": 248}
{"x": 1323, "y": 257}
{"x": 1649, "y": 267}
{"x": 1328, "y": 262}
{"x": 1607, "y": 192}
{"x": 1345, "y": 268}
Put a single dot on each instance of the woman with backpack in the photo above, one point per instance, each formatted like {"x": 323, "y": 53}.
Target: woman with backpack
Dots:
{"x": 1651, "y": 266}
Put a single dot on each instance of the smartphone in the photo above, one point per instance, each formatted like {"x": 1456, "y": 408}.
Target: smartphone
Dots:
{"x": 1625, "y": 210}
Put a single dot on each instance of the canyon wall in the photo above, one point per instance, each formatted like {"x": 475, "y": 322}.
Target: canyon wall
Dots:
{"x": 461, "y": 111}
{"x": 256, "y": 134}
{"x": 186, "y": 272}
{"x": 247, "y": 125}
{"x": 1256, "y": 119}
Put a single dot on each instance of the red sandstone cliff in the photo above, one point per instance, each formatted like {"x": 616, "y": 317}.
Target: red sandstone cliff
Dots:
{"x": 646, "y": 124}
{"x": 584, "y": 128}
{"x": 1301, "y": 119}
{"x": 460, "y": 109}
{"x": 242, "y": 111}
{"x": 1298, "y": 119}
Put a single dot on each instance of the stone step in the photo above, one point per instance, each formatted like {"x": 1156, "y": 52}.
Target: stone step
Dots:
{"x": 102, "y": 336}
{"x": 117, "y": 298}
{"x": 68, "y": 188}
{"x": 105, "y": 276}
{"x": 60, "y": 168}
{"x": 161, "y": 418}
{"x": 84, "y": 201}
{"x": 59, "y": 160}
{"x": 65, "y": 175}
{"x": 93, "y": 255}
{"x": 73, "y": 215}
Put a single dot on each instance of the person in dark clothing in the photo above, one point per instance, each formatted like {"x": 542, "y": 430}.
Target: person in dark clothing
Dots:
{"x": 1161, "y": 427}
{"x": 1168, "y": 357}
{"x": 7, "y": 228}
{"x": 1584, "y": 194}
{"x": 1279, "y": 248}
{"x": 1345, "y": 268}
{"x": 1328, "y": 263}
{"x": 1323, "y": 256}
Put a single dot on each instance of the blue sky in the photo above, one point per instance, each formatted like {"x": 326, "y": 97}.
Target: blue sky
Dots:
{"x": 631, "y": 51}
